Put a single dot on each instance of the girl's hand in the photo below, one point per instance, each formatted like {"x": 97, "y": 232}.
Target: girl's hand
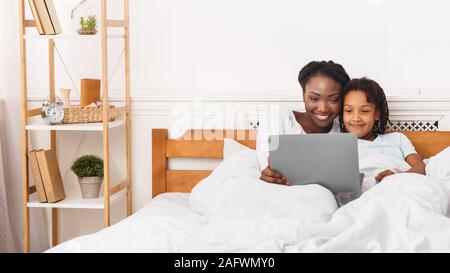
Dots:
{"x": 271, "y": 176}
{"x": 383, "y": 174}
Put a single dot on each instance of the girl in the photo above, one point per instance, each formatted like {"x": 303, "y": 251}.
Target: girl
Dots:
{"x": 365, "y": 113}
{"x": 322, "y": 83}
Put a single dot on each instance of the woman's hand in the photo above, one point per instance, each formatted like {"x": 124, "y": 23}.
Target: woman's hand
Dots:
{"x": 272, "y": 176}
{"x": 383, "y": 174}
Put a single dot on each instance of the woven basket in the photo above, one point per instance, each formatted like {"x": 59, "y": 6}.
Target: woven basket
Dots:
{"x": 77, "y": 114}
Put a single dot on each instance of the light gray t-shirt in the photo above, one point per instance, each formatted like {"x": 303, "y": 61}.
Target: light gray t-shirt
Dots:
{"x": 278, "y": 121}
{"x": 395, "y": 145}
{"x": 385, "y": 152}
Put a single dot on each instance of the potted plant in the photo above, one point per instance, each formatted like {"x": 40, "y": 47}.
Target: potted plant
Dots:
{"x": 88, "y": 26}
{"x": 89, "y": 169}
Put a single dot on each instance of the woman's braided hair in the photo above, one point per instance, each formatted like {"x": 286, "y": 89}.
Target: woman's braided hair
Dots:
{"x": 329, "y": 69}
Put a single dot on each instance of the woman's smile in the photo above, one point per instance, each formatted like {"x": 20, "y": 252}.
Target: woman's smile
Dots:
{"x": 322, "y": 117}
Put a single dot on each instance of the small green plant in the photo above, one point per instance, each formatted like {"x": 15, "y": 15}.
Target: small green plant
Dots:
{"x": 88, "y": 165}
{"x": 88, "y": 25}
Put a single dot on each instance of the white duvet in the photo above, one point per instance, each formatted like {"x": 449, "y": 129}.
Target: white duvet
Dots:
{"x": 406, "y": 213}
{"x": 233, "y": 211}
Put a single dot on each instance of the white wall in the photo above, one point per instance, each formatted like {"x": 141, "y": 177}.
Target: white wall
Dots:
{"x": 235, "y": 52}
{"x": 256, "y": 47}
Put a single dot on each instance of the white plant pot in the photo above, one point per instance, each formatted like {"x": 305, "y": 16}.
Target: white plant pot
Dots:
{"x": 90, "y": 186}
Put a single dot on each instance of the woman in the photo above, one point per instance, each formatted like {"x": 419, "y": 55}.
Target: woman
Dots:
{"x": 322, "y": 84}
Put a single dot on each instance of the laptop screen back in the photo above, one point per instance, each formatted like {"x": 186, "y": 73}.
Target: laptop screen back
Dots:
{"x": 330, "y": 160}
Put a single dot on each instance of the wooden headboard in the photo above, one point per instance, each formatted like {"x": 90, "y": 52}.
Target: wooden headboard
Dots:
{"x": 209, "y": 144}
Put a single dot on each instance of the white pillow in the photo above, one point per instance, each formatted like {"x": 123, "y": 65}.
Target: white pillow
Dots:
{"x": 231, "y": 146}
{"x": 239, "y": 161}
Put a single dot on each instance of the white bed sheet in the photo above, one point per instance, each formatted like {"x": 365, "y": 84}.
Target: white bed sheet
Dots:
{"x": 160, "y": 226}
{"x": 399, "y": 216}
{"x": 233, "y": 211}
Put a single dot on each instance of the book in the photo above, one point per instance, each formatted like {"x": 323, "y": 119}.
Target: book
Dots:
{"x": 44, "y": 17}
{"x": 47, "y": 15}
{"x": 36, "y": 17}
{"x": 40, "y": 190}
{"x": 53, "y": 16}
{"x": 51, "y": 176}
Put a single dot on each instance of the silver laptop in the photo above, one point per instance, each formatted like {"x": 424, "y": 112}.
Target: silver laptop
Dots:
{"x": 330, "y": 160}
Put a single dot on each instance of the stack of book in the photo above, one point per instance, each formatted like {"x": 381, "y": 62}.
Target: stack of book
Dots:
{"x": 44, "y": 14}
{"x": 46, "y": 175}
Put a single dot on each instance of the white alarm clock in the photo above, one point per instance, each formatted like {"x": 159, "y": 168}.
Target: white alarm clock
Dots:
{"x": 52, "y": 111}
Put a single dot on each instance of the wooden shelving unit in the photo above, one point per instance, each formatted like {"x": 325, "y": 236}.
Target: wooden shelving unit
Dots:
{"x": 111, "y": 194}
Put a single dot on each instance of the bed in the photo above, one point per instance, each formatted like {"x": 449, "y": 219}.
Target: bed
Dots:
{"x": 406, "y": 216}
{"x": 198, "y": 144}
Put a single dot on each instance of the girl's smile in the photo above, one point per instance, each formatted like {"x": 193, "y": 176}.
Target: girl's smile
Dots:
{"x": 359, "y": 116}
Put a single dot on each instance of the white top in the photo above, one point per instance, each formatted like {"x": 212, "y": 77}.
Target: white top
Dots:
{"x": 395, "y": 145}
{"x": 278, "y": 121}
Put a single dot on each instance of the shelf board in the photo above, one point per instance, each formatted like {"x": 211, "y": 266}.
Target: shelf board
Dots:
{"x": 74, "y": 200}
{"x": 74, "y": 127}
{"x": 72, "y": 36}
